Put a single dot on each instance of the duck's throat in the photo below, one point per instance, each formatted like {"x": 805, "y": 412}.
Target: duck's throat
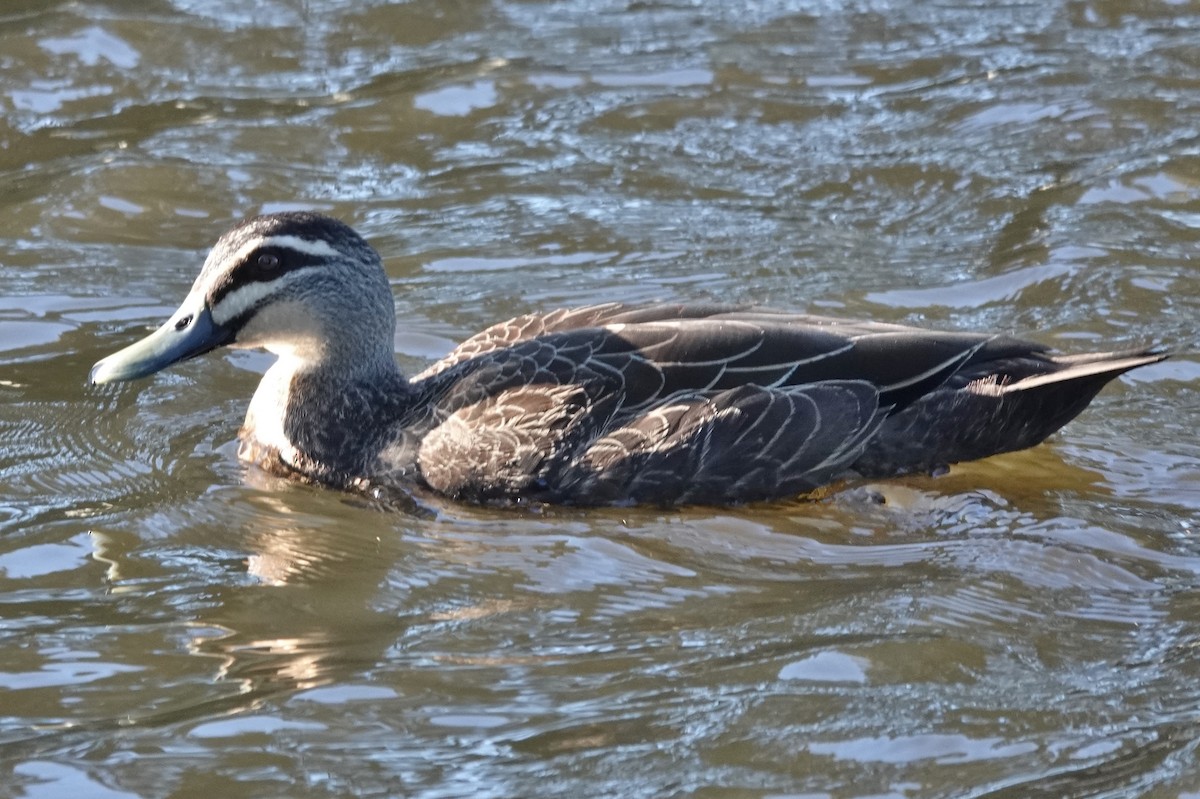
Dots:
{"x": 323, "y": 423}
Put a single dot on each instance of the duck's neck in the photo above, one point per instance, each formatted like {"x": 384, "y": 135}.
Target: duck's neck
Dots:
{"x": 326, "y": 418}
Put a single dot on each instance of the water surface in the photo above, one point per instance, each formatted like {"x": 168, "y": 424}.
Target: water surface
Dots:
{"x": 173, "y": 624}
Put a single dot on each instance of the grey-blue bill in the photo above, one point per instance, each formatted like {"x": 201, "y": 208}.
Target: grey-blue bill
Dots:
{"x": 185, "y": 335}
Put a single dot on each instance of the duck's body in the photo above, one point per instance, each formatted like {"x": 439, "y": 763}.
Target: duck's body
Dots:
{"x": 604, "y": 404}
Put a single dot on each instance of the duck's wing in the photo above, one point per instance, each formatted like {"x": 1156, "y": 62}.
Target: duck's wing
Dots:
{"x": 551, "y": 442}
{"x": 663, "y": 349}
{"x": 719, "y": 403}
{"x": 646, "y": 362}
{"x": 747, "y": 443}
{"x": 522, "y": 328}
{"x": 730, "y": 406}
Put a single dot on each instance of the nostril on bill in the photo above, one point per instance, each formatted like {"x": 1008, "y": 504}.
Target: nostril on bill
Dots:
{"x": 184, "y": 322}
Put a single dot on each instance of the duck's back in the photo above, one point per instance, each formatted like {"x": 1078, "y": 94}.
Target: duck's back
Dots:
{"x": 717, "y": 403}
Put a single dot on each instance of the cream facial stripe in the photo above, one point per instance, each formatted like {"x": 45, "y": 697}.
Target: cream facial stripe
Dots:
{"x": 241, "y": 292}
{"x": 311, "y": 247}
{"x": 236, "y": 302}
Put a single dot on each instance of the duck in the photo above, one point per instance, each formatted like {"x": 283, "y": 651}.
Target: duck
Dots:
{"x": 609, "y": 404}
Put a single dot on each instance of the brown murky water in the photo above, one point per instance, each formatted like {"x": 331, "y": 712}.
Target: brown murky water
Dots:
{"x": 175, "y": 625}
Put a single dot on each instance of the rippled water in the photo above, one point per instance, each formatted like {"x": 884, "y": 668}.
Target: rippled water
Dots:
{"x": 173, "y": 624}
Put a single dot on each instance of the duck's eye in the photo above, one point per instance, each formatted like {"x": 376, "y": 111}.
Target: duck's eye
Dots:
{"x": 268, "y": 261}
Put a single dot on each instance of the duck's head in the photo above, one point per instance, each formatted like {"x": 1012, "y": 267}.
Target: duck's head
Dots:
{"x": 299, "y": 284}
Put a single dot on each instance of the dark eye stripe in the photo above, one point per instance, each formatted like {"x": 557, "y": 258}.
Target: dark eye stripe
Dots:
{"x": 257, "y": 269}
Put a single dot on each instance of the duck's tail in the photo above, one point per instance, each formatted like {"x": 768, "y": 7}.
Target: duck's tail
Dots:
{"x": 995, "y": 412}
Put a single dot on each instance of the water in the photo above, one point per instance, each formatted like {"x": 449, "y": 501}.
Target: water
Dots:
{"x": 173, "y": 624}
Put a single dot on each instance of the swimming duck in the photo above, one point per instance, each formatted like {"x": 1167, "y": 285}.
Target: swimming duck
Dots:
{"x": 605, "y": 404}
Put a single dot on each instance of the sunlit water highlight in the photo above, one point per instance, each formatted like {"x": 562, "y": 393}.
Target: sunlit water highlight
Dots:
{"x": 173, "y": 624}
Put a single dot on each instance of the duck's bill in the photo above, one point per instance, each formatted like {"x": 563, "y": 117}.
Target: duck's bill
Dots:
{"x": 185, "y": 335}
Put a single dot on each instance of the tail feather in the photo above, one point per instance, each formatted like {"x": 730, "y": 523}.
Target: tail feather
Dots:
{"x": 1105, "y": 365}
{"x": 993, "y": 413}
